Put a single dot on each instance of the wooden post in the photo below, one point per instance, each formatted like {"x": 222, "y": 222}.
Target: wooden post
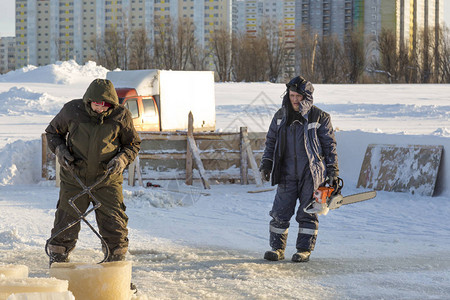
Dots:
{"x": 131, "y": 169}
{"x": 192, "y": 146}
{"x": 251, "y": 158}
{"x": 138, "y": 170}
{"x": 188, "y": 149}
{"x": 44, "y": 173}
{"x": 198, "y": 161}
{"x": 243, "y": 156}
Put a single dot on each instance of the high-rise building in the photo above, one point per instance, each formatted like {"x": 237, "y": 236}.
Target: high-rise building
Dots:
{"x": 7, "y": 54}
{"x": 51, "y": 30}
{"x": 416, "y": 16}
{"x": 250, "y": 15}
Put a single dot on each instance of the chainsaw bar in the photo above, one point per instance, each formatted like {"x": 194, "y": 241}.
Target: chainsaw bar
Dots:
{"x": 339, "y": 200}
{"x": 359, "y": 197}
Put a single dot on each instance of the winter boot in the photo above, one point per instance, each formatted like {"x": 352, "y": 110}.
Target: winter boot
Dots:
{"x": 274, "y": 254}
{"x": 117, "y": 254}
{"x": 302, "y": 255}
{"x": 58, "y": 257}
{"x": 116, "y": 257}
{"x": 58, "y": 254}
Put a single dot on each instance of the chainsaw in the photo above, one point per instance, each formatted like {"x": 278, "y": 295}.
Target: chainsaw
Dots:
{"x": 330, "y": 197}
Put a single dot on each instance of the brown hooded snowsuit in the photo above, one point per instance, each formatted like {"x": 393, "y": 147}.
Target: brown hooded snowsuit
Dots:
{"x": 93, "y": 139}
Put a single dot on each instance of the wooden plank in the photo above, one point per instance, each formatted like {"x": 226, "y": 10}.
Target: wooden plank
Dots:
{"x": 411, "y": 168}
{"x": 223, "y": 155}
{"x": 181, "y": 135}
{"x": 189, "y": 151}
{"x": 251, "y": 158}
{"x": 181, "y": 176}
{"x": 243, "y": 157}
{"x": 198, "y": 162}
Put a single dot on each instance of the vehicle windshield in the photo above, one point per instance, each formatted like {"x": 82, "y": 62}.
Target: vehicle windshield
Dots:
{"x": 121, "y": 100}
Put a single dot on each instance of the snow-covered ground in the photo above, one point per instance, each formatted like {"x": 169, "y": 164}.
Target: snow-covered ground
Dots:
{"x": 396, "y": 246}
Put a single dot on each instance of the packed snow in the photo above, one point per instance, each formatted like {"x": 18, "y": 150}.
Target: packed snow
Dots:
{"x": 195, "y": 246}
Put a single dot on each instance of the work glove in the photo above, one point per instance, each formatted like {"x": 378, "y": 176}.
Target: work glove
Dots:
{"x": 117, "y": 164}
{"x": 265, "y": 174}
{"x": 65, "y": 159}
{"x": 332, "y": 177}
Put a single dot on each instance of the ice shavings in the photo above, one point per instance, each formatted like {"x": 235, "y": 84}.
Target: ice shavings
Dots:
{"x": 159, "y": 198}
{"x": 10, "y": 237}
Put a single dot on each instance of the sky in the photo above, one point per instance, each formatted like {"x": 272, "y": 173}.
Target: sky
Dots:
{"x": 8, "y": 12}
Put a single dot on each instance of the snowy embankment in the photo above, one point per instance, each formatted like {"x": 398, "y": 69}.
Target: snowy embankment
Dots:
{"x": 189, "y": 246}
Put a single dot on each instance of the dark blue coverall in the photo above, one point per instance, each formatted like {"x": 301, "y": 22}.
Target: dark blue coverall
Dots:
{"x": 300, "y": 150}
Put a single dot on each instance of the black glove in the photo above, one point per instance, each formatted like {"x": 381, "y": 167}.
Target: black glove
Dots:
{"x": 332, "y": 177}
{"x": 65, "y": 159}
{"x": 117, "y": 164}
{"x": 265, "y": 174}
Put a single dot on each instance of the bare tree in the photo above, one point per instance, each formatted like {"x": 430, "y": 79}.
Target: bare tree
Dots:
{"x": 329, "y": 59}
{"x": 250, "y": 58}
{"x": 163, "y": 45}
{"x": 424, "y": 51}
{"x": 185, "y": 41}
{"x": 274, "y": 38}
{"x": 139, "y": 50}
{"x": 97, "y": 46}
{"x": 238, "y": 61}
{"x": 173, "y": 43}
{"x": 388, "y": 62}
{"x": 220, "y": 47}
{"x": 443, "y": 60}
{"x": 198, "y": 57}
{"x": 113, "y": 49}
{"x": 306, "y": 46}
{"x": 354, "y": 56}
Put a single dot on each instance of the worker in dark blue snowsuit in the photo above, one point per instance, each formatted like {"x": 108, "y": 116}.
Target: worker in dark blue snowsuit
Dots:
{"x": 300, "y": 154}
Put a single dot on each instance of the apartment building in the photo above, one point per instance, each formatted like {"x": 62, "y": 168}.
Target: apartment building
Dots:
{"x": 414, "y": 16}
{"x": 250, "y": 15}
{"x": 51, "y": 30}
{"x": 7, "y": 54}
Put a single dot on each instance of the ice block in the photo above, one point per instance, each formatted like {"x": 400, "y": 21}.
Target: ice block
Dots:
{"x": 67, "y": 295}
{"x": 10, "y": 286}
{"x": 13, "y": 271}
{"x": 107, "y": 281}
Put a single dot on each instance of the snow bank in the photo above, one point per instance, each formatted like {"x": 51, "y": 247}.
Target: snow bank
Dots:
{"x": 67, "y": 72}
{"x": 22, "y": 101}
{"x": 20, "y": 163}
